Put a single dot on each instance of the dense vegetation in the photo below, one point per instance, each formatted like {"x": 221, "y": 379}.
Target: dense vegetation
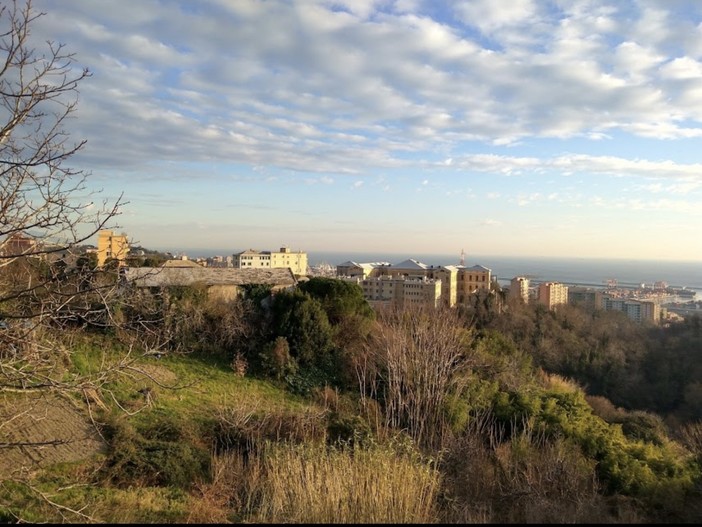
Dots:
{"x": 307, "y": 405}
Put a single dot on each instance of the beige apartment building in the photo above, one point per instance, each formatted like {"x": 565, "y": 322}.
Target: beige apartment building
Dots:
{"x": 552, "y": 294}
{"x": 519, "y": 289}
{"x": 640, "y": 311}
{"x": 112, "y": 246}
{"x": 251, "y": 259}
{"x": 457, "y": 282}
{"x": 398, "y": 291}
{"x": 360, "y": 270}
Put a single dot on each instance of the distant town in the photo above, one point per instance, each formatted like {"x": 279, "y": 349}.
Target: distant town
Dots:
{"x": 413, "y": 282}
{"x": 409, "y": 282}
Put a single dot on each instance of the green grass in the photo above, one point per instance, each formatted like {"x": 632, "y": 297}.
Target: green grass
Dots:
{"x": 189, "y": 392}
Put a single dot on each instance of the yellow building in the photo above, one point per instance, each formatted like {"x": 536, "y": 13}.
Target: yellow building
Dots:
{"x": 552, "y": 294}
{"x": 472, "y": 280}
{"x": 112, "y": 246}
{"x": 251, "y": 259}
{"x": 448, "y": 274}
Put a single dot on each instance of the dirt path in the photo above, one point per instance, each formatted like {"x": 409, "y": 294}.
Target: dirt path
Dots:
{"x": 44, "y": 429}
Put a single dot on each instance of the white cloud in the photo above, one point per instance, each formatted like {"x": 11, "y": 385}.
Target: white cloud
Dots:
{"x": 455, "y": 94}
{"x": 324, "y": 86}
{"x": 489, "y": 15}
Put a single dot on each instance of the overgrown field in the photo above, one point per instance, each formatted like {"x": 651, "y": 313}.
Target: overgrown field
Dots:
{"x": 307, "y": 406}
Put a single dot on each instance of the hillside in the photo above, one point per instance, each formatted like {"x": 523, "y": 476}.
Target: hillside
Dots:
{"x": 257, "y": 411}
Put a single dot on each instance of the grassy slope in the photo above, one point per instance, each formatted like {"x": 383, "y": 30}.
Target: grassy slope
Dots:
{"x": 186, "y": 389}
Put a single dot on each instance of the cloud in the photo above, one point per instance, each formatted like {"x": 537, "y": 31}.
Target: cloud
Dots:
{"x": 545, "y": 106}
{"x": 344, "y": 87}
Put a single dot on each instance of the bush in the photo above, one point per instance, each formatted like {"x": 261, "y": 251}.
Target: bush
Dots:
{"x": 160, "y": 453}
{"x": 276, "y": 359}
{"x": 348, "y": 430}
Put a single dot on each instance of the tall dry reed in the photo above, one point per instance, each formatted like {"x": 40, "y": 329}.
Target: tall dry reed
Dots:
{"x": 309, "y": 484}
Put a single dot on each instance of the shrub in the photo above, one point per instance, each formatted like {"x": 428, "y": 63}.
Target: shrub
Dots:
{"x": 159, "y": 453}
{"x": 276, "y": 359}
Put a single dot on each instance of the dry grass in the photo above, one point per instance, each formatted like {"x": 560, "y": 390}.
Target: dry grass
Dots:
{"x": 310, "y": 484}
{"x": 234, "y": 491}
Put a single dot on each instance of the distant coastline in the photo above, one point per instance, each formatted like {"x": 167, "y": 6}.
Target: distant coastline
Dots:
{"x": 586, "y": 271}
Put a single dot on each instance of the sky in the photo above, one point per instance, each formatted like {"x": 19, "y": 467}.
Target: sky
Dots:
{"x": 548, "y": 128}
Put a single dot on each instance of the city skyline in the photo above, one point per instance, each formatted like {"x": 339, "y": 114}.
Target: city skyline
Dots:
{"x": 524, "y": 128}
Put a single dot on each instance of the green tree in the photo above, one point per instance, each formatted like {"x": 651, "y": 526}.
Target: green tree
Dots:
{"x": 340, "y": 299}
{"x": 304, "y": 323}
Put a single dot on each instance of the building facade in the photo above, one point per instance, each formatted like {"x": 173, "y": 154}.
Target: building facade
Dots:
{"x": 112, "y": 246}
{"x": 552, "y": 294}
{"x": 585, "y": 297}
{"x": 519, "y": 289}
{"x": 457, "y": 282}
{"x": 398, "y": 291}
{"x": 641, "y": 311}
{"x": 285, "y": 258}
{"x": 472, "y": 280}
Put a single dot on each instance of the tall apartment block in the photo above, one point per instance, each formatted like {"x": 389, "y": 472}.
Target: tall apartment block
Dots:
{"x": 637, "y": 310}
{"x": 552, "y": 294}
{"x": 584, "y": 296}
{"x": 111, "y": 245}
{"x": 251, "y": 259}
{"x": 519, "y": 289}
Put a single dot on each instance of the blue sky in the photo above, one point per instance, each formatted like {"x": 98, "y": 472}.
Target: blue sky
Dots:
{"x": 520, "y": 127}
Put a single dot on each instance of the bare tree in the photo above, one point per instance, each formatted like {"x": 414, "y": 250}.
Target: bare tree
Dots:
{"x": 46, "y": 210}
{"x": 418, "y": 353}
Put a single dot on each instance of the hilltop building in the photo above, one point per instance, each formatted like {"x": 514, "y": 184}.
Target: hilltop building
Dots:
{"x": 472, "y": 280}
{"x": 552, "y": 294}
{"x": 360, "y": 270}
{"x": 398, "y": 291}
{"x": 640, "y": 311}
{"x": 221, "y": 283}
{"x": 454, "y": 283}
{"x": 112, "y": 246}
{"x": 519, "y": 289}
{"x": 251, "y": 259}
{"x": 585, "y": 297}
